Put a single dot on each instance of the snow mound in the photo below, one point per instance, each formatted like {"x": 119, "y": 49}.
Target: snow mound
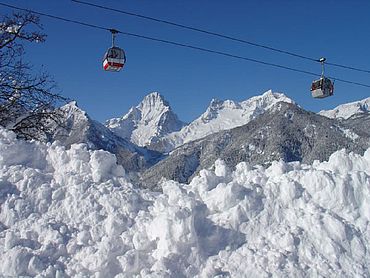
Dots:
{"x": 347, "y": 110}
{"x": 224, "y": 115}
{"x": 74, "y": 213}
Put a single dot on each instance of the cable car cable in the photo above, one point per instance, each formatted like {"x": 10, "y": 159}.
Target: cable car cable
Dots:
{"x": 218, "y": 35}
{"x": 347, "y": 67}
{"x": 195, "y": 29}
{"x": 55, "y": 17}
{"x": 182, "y": 45}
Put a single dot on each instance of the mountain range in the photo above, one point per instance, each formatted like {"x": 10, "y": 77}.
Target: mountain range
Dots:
{"x": 220, "y": 115}
{"x": 151, "y": 139}
{"x": 284, "y": 132}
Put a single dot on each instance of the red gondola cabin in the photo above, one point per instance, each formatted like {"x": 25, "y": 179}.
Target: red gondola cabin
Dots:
{"x": 114, "y": 59}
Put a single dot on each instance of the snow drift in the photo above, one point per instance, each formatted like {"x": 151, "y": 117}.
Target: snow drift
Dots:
{"x": 74, "y": 213}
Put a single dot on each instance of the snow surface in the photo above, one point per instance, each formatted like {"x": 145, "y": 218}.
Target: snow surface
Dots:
{"x": 224, "y": 115}
{"x": 74, "y": 213}
{"x": 347, "y": 110}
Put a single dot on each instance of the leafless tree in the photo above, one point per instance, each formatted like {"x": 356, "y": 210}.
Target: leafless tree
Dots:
{"x": 27, "y": 98}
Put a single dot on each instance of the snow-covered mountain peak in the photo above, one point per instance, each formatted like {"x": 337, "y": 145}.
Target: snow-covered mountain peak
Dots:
{"x": 256, "y": 103}
{"x": 347, "y": 110}
{"x": 154, "y": 99}
{"x": 215, "y": 106}
{"x": 152, "y": 107}
{"x": 267, "y": 99}
{"x": 215, "y": 103}
{"x": 150, "y": 119}
{"x": 72, "y": 105}
{"x": 223, "y": 115}
{"x": 71, "y": 110}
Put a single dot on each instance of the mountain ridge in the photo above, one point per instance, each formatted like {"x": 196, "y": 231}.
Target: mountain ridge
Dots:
{"x": 220, "y": 115}
{"x": 347, "y": 110}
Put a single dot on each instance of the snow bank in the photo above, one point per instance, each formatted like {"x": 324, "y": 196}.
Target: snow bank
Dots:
{"x": 74, "y": 213}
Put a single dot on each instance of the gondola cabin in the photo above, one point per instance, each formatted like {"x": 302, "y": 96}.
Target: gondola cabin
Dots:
{"x": 114, "y": 59}
{"x": 322, "y": 88}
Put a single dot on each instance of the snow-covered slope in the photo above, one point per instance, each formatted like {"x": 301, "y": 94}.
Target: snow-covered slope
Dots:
{"x": 72, "y": 212}
{"x": 221, "y": 115}
{"x": 347, "y": 110}
{"x": 151, "y": 119}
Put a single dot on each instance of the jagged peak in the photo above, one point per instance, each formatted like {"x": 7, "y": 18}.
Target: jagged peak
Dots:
{"x": 215, "y": 103}
{"x": 147, "y": 121}
{"x": 151, "y": 102}
{"x": 266, "y": 99}
{"x": 268, "y": 92}
{"x": 271, "y": 96}
{"x": 268, "y": 95}
{"x": 71, "y": 109}
{"x": 71, "y": 104}
{"x": 154, "y": 99}
{"x": 154, "y": 94}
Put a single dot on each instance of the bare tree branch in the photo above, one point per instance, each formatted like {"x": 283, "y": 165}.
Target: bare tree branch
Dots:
{"x": 27, "y": 99}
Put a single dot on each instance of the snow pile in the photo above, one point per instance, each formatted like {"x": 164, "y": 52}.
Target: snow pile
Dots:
{"x": 347, "y": 110}
{"x": 73, "y": 212}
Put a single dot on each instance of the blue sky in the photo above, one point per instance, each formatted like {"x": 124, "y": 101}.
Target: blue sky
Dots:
{"x": 188, "y": 79}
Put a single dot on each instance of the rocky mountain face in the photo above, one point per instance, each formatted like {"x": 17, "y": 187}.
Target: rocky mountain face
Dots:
{"x": 146, "y": 123}
{"x": 80, "y": 128}
{"x": 220, "y": 115}
{"x": 284, "y": 132}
